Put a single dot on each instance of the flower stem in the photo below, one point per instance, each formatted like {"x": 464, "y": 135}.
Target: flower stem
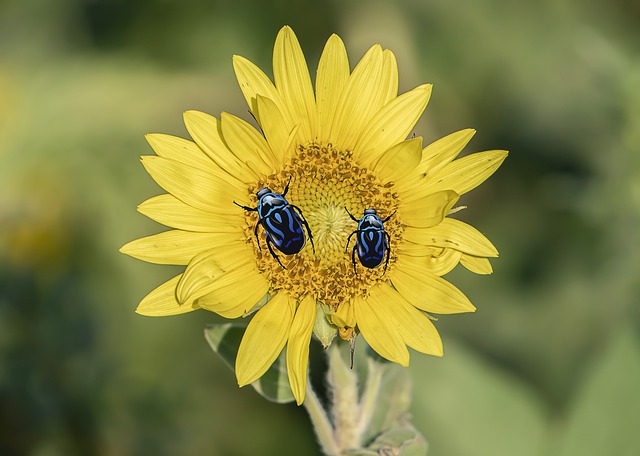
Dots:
{"x": 343, "y": 384}
{"x": 321, "y": 424}
{"x": 369, "y": 396}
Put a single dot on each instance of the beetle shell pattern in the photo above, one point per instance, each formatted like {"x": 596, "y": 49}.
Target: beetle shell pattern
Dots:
{"x": 282, "y": 222}
{"x": 372, "y": 241}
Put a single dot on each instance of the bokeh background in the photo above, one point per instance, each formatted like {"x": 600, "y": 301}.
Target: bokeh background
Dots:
{"x": 550, "y": 363}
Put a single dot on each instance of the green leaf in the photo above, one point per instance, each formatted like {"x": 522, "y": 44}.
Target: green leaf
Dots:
{"x": 401, "y": 441}
{"x": 224, "y": 339}
{"x": 605, "y": 417}
{"x": 465, "y": 405}
{"x": 324, "y": 331}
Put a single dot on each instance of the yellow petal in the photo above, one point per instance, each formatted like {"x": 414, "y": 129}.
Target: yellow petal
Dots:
{"x": 344, "y": 316}
{"x": 429, "y": 210}
{"x": 479, "y": 265}
{"x": 460, "y": 175}
{"x": 360, "y": 100}
{"x": 427, "y": 291}
{"x": 264, "y": 338}
{"x": 392, "y": 123}
{"x": 247, "y": 144}
{"x": 203, "y": 269}
{"x": 399, "y": 160}
{"x": 179, "y": 149}
{"x": 254, "y": 82}
{"x": 170, "y": 211}
{"x": 170, "y": 247}
{"x": 453, "y": 234}
{"x": 245, "y": 287}
{"x": 298, "y": 347}
{"x": 275, "y": 129}
{"x": 207, "y": 270}
{"x": 205, "y": 131}
{"x": 389, "y": 77}
{"x": 436, "y": 260}
{"x": 381, "y": 330}
{"x": 162, "y": 302}
{"x": 441, "y": 152}
{"x": 416, "y": 329}
{"x": 291, "y": 75}
{"x": 190, "y": 185}
{"x": 332, "y": 76}
{"x": 190, "y": 154}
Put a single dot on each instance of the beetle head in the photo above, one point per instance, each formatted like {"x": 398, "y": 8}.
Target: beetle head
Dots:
{"x": 262, "y": 192}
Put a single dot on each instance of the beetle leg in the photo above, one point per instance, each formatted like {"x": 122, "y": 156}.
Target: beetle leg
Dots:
{"x": 352, "y": 217}
{"x": 353, "y": 258}
{"x": 387, "y": 240}
{"x": 306, "y": 225}
{"x": 246, "y": 208}
{"x": 346, "y": 247}
{"x": 255, "y": 232}
{"x": 273, "y": 254}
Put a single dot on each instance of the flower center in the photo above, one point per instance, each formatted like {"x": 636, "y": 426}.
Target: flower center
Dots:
{"x": 324, "y": 184}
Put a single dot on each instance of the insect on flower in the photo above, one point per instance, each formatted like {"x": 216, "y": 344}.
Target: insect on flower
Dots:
{"x": 282, "y": 223}
{"x": 372, "y": 241}
{"x": 342, "y": 142}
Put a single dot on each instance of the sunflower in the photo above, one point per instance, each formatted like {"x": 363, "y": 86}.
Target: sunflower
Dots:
{"x": 338, "y": 151}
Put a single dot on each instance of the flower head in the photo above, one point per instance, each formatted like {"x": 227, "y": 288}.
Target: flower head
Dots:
{"x": 331, "y": 154}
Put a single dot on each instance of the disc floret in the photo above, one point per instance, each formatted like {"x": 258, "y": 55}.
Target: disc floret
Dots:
{"x": 323, "y": 182}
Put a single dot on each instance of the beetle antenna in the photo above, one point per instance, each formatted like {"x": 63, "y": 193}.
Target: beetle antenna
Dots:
{"x": 392, "y": 214}
{"x": 286, "y": 188}
{"x": 350, "y": 215}
{"x": 246, "y": 208}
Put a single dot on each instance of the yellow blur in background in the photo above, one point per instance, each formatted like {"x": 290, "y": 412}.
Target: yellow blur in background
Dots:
{"x": 550, "y": 363}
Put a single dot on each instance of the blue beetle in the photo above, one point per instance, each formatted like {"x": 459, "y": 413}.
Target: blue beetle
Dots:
{"x": 282, "y": 222}
{"x": 372, "y": 241}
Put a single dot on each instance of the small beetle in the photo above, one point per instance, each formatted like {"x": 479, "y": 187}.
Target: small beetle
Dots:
{"x": 282, "y": 223}
{"x": 372, "y": 241}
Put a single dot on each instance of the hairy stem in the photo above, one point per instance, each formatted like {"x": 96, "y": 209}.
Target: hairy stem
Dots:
{"x": 321, "y": 424}
{"x": 343, "y": 382}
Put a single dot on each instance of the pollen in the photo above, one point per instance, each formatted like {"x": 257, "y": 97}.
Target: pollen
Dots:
{"x": 324, "y": 183}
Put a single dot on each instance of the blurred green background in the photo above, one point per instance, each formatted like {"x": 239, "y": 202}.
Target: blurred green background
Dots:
{"x": 550, "y": 363}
